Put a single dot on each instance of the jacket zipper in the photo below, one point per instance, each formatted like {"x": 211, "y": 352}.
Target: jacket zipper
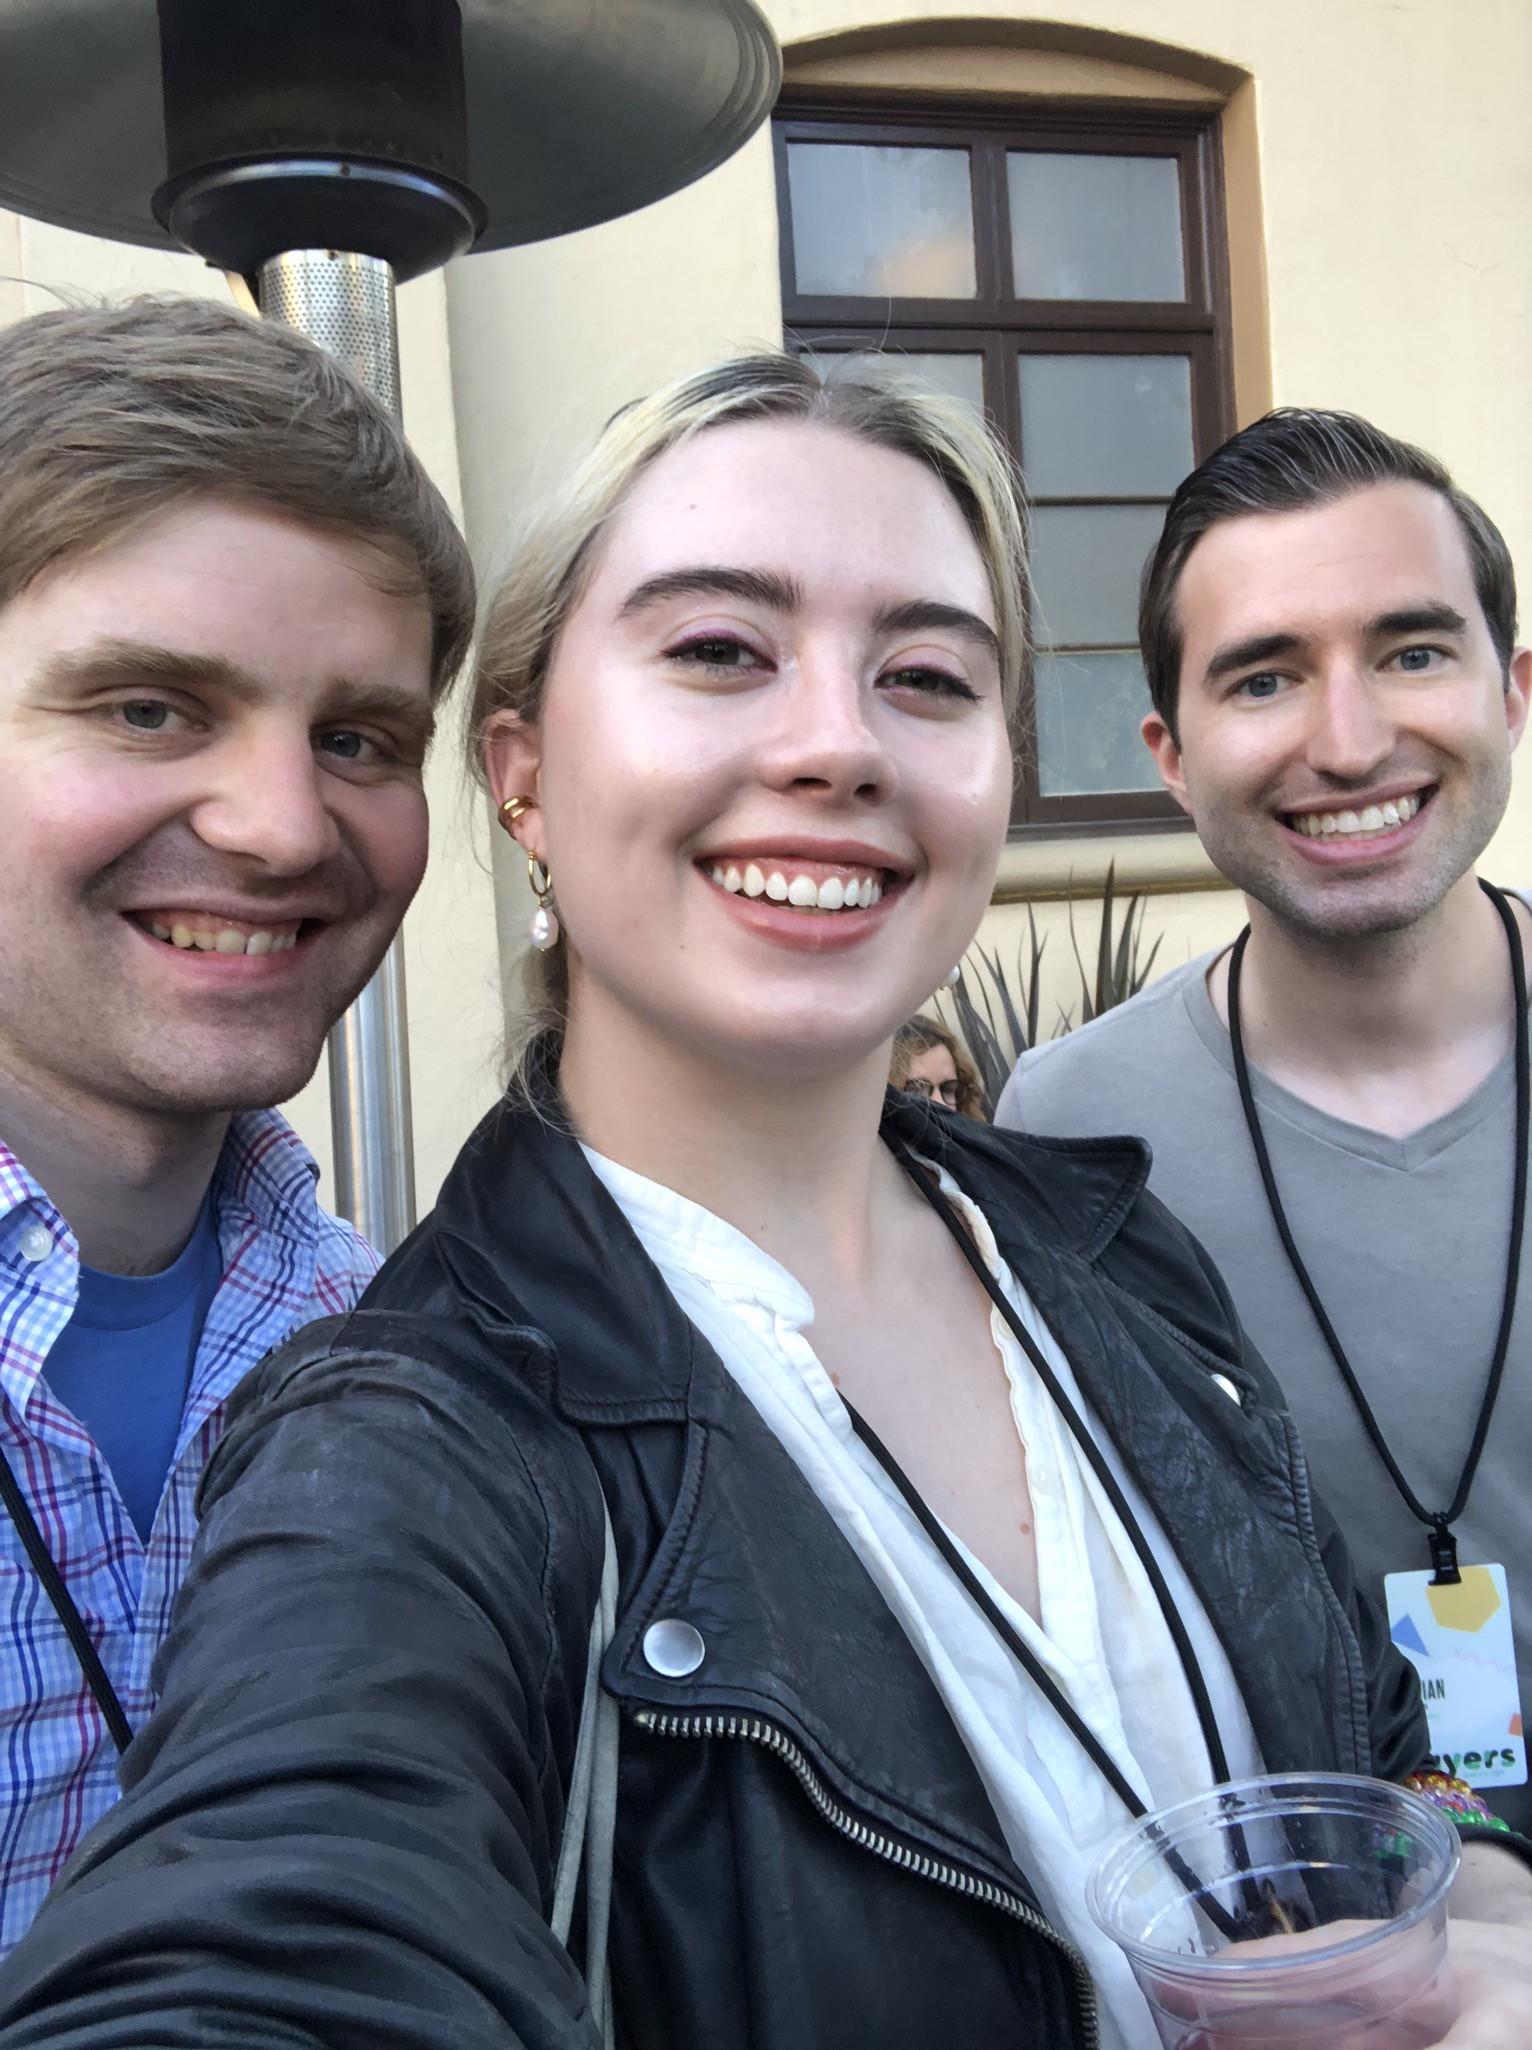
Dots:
{"x": 771, "y": 1739}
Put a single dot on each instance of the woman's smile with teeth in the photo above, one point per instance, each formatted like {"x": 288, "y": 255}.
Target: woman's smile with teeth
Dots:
{"x": 210, "y": 934}
{"x": 787, "y": 885}
{"x": 1352, "y": 825}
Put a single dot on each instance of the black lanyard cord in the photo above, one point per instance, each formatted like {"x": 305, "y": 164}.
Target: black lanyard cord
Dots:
{"x": 46, "y": 1569}
{"x": 1014, "y": 1642}
{"x": 1098, "y": 1464}
{"x": 1438, "y": 1522}
{"x": 1033, "y": 1666}
{"x": 1232, "y": 1927}
{"x": 54, "y": 1586}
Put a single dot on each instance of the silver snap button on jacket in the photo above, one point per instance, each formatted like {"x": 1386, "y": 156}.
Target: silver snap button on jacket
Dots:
{"x": 673, "y": 1648}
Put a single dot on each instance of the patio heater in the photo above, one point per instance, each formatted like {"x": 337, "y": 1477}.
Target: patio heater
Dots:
{"x": 326, "y": 150}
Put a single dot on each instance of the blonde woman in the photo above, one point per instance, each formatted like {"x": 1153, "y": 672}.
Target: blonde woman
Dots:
{"x": 951, "y": 1518}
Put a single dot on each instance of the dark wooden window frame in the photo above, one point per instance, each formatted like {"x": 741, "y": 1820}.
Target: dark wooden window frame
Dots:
{"x": 998, "y": 327}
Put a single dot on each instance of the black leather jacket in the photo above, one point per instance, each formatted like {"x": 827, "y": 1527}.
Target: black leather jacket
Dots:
{"x": 341, "y": 1826}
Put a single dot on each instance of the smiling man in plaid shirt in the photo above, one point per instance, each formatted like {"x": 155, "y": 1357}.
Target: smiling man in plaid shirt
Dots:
{"x": 230, "y": 600}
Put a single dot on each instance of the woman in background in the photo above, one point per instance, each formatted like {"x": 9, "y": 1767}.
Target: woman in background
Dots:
{"x": 930, "y": 1061}
{"x": 952, "y": 1519}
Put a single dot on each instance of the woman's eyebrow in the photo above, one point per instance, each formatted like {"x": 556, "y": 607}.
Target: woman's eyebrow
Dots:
{"x": 931, "y": 613}
{"x": 710, "y": 580}
{"x": 783, "y": 594}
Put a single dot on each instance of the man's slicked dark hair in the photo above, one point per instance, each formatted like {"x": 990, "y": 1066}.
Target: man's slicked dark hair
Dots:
{"x": 1288, "y": 461}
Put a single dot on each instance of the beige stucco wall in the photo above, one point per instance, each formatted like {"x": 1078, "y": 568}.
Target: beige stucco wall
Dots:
{"x": 1379, "y": 169}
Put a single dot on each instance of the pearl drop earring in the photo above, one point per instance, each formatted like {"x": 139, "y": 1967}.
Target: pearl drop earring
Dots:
{"x": 544, "y": 927}
{"x": 953, "y": 977}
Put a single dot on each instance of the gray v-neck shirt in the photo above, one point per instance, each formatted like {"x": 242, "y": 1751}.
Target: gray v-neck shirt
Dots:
{"x": 1405, "y": 1240}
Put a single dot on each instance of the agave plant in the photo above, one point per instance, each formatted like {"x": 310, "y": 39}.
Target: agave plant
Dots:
{"x": 999, "y": 1020}
{"x": 1000, "y": 1026}
{"x": 1122, "y": 968}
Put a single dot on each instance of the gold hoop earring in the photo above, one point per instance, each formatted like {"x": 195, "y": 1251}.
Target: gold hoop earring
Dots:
{"x": 511, "y": 811}
{"x": 544, "y": 927}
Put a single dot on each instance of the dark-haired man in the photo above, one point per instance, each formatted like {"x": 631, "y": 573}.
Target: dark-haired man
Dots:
{"x": 1329, "y": 629}
{"x": 229, "y": 597}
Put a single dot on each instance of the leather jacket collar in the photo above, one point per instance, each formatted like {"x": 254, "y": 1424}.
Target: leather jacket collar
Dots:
{"x": 523, "y": 1223}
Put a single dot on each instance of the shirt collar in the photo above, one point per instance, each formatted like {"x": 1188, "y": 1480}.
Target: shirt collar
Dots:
{"x": 264, "y": 1169}
{"x": 680, "y": 1235}
{"x": 25, "y": 1212}
{"x": 16, "y": 1185}
{"x": 678, "y": 1232}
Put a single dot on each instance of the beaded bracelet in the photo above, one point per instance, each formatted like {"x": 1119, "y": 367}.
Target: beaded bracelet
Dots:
{"x": 1458, "y": 1798}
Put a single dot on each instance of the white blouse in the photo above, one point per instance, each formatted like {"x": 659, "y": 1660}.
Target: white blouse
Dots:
{"x": 1102, "y": 1636}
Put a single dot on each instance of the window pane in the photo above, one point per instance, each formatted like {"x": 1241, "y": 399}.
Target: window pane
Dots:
{"x": 1088, "y": 709}
{"x": 960, "y": 377}
{"x": 881, "y": 223}
{"x": 1086, "y": 563}
{"x": 1097, "y": 227}
{"x": 1105, "y": 426}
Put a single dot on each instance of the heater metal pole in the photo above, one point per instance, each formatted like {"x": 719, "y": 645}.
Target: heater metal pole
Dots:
{"x": 345, "y": 303}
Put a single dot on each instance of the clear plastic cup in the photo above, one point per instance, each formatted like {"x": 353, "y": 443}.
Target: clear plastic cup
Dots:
{"x": 1293, "y": 1912}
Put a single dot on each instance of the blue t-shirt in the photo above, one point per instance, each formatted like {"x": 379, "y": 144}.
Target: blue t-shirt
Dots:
{"x": 123, "y": 1363}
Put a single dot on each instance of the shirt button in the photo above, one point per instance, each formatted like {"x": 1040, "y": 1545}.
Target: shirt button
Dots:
{"x": 673, "y": 1649}
{"x": 36, "y": 1242}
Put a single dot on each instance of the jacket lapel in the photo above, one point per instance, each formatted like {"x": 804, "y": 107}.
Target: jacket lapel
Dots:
{"x": 1223, "y": 1478}
{"x": 794, "y": 1631}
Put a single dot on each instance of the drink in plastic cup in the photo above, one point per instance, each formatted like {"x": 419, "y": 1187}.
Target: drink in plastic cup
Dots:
{"x": 1300, "y": 1911}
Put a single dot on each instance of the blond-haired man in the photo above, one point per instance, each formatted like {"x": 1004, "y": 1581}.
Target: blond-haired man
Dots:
{"x": 229, "y": 602}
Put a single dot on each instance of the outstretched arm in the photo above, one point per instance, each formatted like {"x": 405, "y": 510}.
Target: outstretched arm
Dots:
{"x": 340, "y": 1826}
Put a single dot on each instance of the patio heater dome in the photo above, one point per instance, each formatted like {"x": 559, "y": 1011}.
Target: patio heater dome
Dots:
{"x": 407, "y": 130}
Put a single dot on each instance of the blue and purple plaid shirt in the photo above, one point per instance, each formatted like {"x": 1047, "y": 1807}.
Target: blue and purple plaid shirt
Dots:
{"x": 285, "y": 1263}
